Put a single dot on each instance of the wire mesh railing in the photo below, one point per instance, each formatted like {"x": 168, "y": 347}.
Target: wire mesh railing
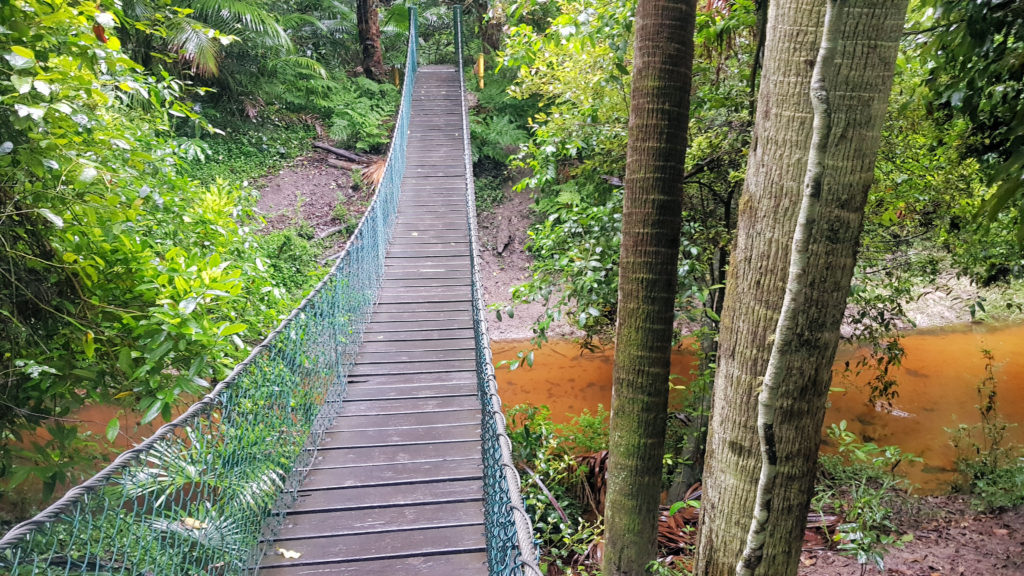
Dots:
{"x": 203, "y": 493}
{"x": 511, "y": 549}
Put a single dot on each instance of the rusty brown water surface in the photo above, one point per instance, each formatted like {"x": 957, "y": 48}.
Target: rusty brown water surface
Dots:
{"x": 937, "y": 389}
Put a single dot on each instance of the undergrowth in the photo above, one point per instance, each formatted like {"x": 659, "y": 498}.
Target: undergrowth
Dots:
{"x": 247, "y": 151}
{"x": 991, "y": 468}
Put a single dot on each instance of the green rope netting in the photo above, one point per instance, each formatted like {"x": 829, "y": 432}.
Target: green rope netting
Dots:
{"x": 204, "y": 494}
{"x": 511, "y": 549}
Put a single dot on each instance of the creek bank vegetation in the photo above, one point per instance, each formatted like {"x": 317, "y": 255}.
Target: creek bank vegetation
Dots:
{"x": 940, "y": 211}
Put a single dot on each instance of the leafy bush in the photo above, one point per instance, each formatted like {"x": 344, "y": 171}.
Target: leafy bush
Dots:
{"x": 496, "y": 136}
{"x": 544, "y": 453}
{"x": 291, "y": 260}
{"x": 124, "y": 282}
{"x": 861, "y": 482}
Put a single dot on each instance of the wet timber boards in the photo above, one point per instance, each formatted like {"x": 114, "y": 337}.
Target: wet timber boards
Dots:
{"x": 396, "y": 486}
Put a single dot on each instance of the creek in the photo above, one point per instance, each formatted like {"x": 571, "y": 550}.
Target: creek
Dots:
{"x": 937, "y": 390}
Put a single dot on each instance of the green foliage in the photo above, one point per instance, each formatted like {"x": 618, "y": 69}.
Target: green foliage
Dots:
{"x": 573, "y": 59}
{"x": 291, "y": 261}
{"x": 246, "y": 151}
{"x": 991, "y": 468}
{"x": 576, "y": 251}
{"x": 545, "y": 452}
{"x": 974, "y": 73}
{"x": 861, "y": 483}
{"x": 124, "y": 282}
{"x": 495, "y": 136}
{"x": 489, "y": 194}
{"x": 364, "y": 114}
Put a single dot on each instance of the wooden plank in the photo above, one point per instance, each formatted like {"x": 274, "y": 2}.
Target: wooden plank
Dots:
{"x": 426, "y": 300}
{"x": 392, "y": 289}
{"x": 412, "y": 391}
{"x": 411, "y": 283}
{"x": 462, "y": 306}
{"x": 406, "y": 406}
{"x": 403, "y": 345}
{"x": 405, "y": 436}
{"x": 381, "y": 520}
{"x": 373, "y": 421}
{"x": 465, "y": 564}
{"x": 394, "y": 474}
{"x": 372, "y": 546}
{"x": 422, "y": 367}
{"x": 441, "y": 328}
{"x": 365, "y": 497}
{"x": 381, "y": 455}
{"x": 463, "y": 352}
{"x": 437, "y": 378}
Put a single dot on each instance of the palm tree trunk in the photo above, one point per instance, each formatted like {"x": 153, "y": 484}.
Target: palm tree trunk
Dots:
{"x": 860, "y": 81}
{"x": 651, "y": 220}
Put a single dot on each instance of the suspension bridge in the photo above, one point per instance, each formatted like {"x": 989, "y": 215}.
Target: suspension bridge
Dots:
{"x": 363, "y": 436}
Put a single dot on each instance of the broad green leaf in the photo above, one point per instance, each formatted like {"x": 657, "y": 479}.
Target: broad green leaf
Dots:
{"x": 228, "y": 330}
{"x": 89, "y": 345}
{"x": 20, "y": 58}
{"x": 57, "y": 220}
{"x": 21, "y": 83}
{"x": 188, "y": 305}
{"x": 87, "y": 175}
{"x": 113, "y": 428}
{"x": 43, "y": 87}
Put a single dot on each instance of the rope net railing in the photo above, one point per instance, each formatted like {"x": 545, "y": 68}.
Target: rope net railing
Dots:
{"x": 205, "y": 493}
{"x": 511, "y": 549}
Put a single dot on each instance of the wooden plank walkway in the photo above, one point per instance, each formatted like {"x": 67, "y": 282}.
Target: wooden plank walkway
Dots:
{"x": 396, "y": 487}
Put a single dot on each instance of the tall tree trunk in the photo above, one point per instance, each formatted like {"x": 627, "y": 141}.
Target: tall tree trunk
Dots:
{"x": 368, "y": 23}
{"x": 651, "y": 219}
{"x": 860, "y": 82}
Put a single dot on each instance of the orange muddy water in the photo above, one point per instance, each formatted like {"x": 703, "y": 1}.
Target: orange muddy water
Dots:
{"x": 937, "y": 390}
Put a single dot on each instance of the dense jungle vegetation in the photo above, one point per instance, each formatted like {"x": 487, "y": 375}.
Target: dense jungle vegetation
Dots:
{"x": 134, "y": 274}
{"x": 134, "y": 271}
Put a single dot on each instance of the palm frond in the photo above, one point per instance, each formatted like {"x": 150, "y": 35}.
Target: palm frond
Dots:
{"x": 243, "y": 15}
{"x": 195, "y": 45}
{"x": 295, "y": 21}
{"x": 297, "y": 63}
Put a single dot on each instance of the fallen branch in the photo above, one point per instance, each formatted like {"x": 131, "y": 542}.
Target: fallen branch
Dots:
{"x": 350, "y": 166}
{"x": 331, "y": 232}
{"x": 339, "y": 152}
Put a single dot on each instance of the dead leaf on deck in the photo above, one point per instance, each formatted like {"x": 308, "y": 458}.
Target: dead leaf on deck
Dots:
{"x": 289, "y": 554}
{"x": 193, "y": 524}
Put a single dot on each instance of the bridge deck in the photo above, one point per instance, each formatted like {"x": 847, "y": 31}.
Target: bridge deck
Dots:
{"x": 396, "y": 486}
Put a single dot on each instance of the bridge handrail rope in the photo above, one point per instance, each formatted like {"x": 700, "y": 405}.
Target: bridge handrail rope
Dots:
{"x": 510, "y": 542}
{"x": 200, "y": 495}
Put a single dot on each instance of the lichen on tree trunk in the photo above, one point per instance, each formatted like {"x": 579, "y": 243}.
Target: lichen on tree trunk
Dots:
{"x": 860, "y": 83}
